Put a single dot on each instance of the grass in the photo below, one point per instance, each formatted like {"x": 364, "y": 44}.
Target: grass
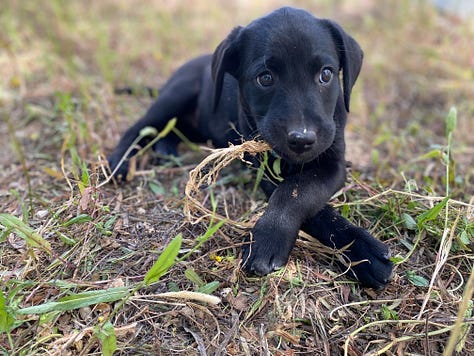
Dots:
{"x": 90, "y": 268}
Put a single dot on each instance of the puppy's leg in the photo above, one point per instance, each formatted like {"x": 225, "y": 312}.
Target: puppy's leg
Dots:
{"x": 296, "y": 199}
{"x": 372, "y": 266}
{"x": 178, "y": 98}
{"x": 299, "y": 202}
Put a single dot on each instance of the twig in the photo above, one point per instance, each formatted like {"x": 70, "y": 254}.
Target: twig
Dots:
{"x": 441, "y": 258}
{"x": 201, "y": 347}
{"x": 454, "y": 338}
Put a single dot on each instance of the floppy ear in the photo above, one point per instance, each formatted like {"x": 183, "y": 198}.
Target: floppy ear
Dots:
{"x": 225, "y": 60}
{"x": 350, "y": 58}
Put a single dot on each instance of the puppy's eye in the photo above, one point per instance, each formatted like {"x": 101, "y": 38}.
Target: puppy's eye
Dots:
{"x": 325, "y": 75}
{"x": 265, "y": 79}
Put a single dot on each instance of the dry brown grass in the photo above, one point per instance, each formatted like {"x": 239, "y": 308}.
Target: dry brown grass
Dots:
{"x": 205, "y": 175}
{"x": 59, "y": 64}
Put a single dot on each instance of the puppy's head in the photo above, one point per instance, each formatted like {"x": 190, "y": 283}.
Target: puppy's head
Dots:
{"x": 287, "y": 65}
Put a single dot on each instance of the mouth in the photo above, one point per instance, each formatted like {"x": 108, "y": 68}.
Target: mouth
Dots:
{"x": 295, "y": 157}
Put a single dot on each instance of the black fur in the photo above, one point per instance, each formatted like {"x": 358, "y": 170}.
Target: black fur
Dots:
{"x": 277, "y": 79}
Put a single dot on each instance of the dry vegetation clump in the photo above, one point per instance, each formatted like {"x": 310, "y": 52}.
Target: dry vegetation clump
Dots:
{"x": 206, "y": 173}
{"x": 148, "y": 267}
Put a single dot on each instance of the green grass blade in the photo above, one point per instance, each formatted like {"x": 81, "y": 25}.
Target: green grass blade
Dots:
{"x": 108, "y": 341}
{"x": 32, "y": 238}
{"x": 165, "y": 261}
{"x": 7, "y": 319}
{"x": 277, "y": 167}
{"x": 209, "y": 288}
{"x": 203, "y": 238}
{"x": 451, "y": 120}
{"x": 193, "y": 277}
{"x": 151, "y": 131}
{"x": 409, "y": 222}
{"x": 148, "y": 131}
{"x": 260, "y": 171}
{"x": 82, "y": 218}
{"x": 211, "y": 231}
{"x": 417, "y": 280}
{"x": 432, "y": 213}
{"x": 79, "y": 300}
{"x": 168, "y": 128}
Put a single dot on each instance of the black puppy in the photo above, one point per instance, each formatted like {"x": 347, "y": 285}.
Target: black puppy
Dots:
{"x": 276, "y": 79}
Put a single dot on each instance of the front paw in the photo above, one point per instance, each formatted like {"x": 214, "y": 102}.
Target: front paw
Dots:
{"x": 370, "y": 260}
{"x": 266, "y": 251}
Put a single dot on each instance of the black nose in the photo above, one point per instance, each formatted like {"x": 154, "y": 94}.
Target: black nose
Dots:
{"x": 301, "y": 140}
